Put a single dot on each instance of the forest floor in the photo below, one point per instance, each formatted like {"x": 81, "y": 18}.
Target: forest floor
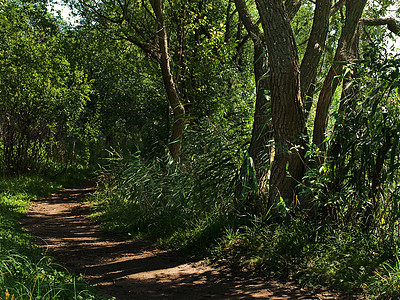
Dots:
{"x": 134, "y": 269}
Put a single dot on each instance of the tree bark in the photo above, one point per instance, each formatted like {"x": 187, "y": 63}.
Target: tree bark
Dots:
{"x": 262, "y": 131}
{"x": 178, "y": 110}
{"x": 292, "y": 7}
{"x": 315, "y": 46}
{"x": 391, "y": 23}
{"x": 260, "y": 148}
{"x": 354, "y": 11}
{"x": 286, "y": 103}
{"x": 248, "y": 20}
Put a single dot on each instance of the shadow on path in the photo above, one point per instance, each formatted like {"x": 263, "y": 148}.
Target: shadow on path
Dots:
{"x": 128, "y": 269}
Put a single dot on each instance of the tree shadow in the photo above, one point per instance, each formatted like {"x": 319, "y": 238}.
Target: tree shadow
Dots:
{"x": 128, "y": 269}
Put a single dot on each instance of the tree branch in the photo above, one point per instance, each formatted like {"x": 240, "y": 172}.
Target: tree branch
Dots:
{"x": 392, "y": 24}
{"x": 315, "y": 46}
{"x": 338, "y": 5}
{"x": 292, "y": 7}
{"x": 354, "y": 10}
{"x": 248, "y": 21}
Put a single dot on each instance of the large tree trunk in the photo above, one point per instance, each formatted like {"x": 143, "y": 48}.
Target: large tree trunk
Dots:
{"x": 169, "y": 83}
{"x": 260, "y": 148}
{"x": 354, "y": 11}
{"x": 262, "y": 132}
{"x": 287, "y": 107}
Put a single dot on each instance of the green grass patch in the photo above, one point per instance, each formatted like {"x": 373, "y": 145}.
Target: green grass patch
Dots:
{"x": 346, "y": 259}
{"x": 26, "y": 272}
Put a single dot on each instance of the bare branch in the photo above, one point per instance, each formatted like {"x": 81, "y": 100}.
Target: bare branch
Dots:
{"x": 392, "y": 24}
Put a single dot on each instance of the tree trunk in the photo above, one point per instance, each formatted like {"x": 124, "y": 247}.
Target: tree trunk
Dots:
{"x": 391, "y": 23}
{"x": 169, "y": 83}
{"x": 315, "y": 48}
{"x": 354, "y": 11}
{"x": 286, "y": 103}
{"x": 262, "y": 132}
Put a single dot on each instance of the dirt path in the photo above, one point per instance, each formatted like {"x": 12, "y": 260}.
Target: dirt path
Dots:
{"x": 128, "y": 269}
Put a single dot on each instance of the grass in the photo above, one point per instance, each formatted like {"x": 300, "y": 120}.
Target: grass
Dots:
{"x": 345, "y": 259}
{"x": 27, "y": 272}
{"x": 170, "y": 210}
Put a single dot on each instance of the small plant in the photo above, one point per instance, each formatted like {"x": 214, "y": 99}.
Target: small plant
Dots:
{"x": 387, "y": 281}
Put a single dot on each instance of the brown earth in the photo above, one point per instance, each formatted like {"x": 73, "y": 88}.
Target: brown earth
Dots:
{"x": 131, "y": 269}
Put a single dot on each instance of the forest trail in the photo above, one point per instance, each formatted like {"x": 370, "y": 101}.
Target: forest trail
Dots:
{"x": 127, "y": 269}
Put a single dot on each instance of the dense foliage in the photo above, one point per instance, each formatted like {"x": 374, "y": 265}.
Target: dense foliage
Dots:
{"x": 209, "y": 141}
{"x": 43, "y": 97}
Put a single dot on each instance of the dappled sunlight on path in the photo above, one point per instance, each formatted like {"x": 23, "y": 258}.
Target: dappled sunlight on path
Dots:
{"x": 127, "y": 269}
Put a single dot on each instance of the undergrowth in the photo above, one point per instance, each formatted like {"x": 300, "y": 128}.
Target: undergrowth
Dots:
{"x": 27, "y": 272}
{"x": 192, "y": 209}
{"x": 162, "y": 200}
{"x": 315, "y": 254}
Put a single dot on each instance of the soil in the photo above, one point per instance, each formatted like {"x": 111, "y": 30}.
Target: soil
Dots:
{"x": 133, "y": 269}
